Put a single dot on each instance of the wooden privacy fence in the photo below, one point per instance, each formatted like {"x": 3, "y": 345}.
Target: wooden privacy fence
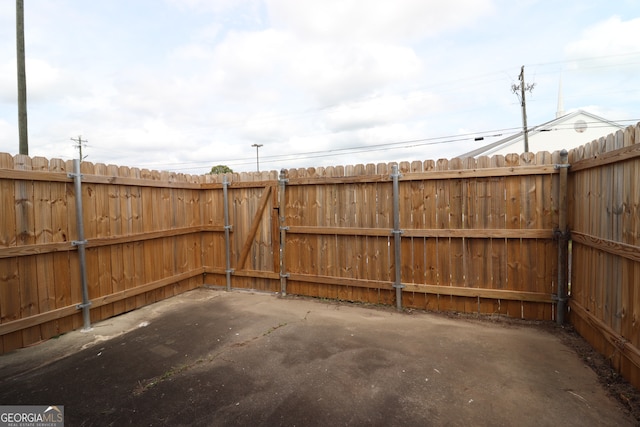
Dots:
{"x": 604, "y": 220}
{"x": 144, "y": 234}
{"x": 469, "y": 235}
{"x": 472, "y": 236}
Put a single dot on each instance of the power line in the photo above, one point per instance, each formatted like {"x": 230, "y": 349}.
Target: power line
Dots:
{"x": 400, "y": 145}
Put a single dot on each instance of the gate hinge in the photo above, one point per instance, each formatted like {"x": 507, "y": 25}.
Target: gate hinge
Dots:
{"x": 561, "y": 235}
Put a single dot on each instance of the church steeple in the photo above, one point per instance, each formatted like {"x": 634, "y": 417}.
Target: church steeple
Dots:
{"x": 560, "y": 111}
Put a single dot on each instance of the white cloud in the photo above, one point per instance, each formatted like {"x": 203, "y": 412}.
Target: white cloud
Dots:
{"x": 198, "y": 81}
{"x": 381, "y": 110}
{"x": 607, "y": 38}
{"x": 333, "y": 73}
{"x": 348, "y": 20}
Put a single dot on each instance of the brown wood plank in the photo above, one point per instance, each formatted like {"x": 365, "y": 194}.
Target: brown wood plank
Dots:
{"x": 456, "y": 246}
{"x": 606, "y": 158}
{"x": 429, "y": 193}
{"x": 60, "y": 234}
{"x": 481, "y": 254}
{"x": 10, "y": 302}
{"x": 434, "y": 174}
{"x": 117, "y": 197}
{"x": 27, "y": 266}
{"x": 497, "y": 220}
{"x": 102, "y": 227}
{"x": 141, "y": 203}
{"x": 444, "y": 302}
{"x": 126, "y": 199}
{"x": 528, "y": 248}
{"x": 469, "y": 220}
{"x": 90, "y": 222}
{"x": 168, "y": 222}
{"x": 43, "y": 234}
{"x": 75, "y": 285}
{"x": 629, "y": 351}
{"x": 624, "y": 250}
{"x": 513, "y": 221}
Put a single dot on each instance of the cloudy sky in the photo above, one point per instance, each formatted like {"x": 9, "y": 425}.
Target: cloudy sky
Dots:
{"x": 184, "y": 85}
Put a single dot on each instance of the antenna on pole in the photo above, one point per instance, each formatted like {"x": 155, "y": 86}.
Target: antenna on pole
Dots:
{"x": 522, "y": 88}
{"x": 79, "y": 143}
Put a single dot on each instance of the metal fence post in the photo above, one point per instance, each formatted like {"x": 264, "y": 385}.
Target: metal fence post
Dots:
{"x": 396, "y": 236}
{"x": 563, "y": 238}
{"x": 282, "y": 181}
{"x": 227, "y": 229}
{"x": 81, "y": 243}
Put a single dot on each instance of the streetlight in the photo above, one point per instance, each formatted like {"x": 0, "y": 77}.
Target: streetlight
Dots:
{"x": 257, "y": 156}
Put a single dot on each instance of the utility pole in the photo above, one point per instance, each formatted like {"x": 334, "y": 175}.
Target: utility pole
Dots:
{"x": 22, "y": 80}
{"x": 522, "y": 87}
{"x": 257, "y": 155}
{"x": 78, "y": 145}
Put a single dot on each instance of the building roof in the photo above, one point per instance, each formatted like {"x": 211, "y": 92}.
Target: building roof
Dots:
{"x": 551, "y": 125}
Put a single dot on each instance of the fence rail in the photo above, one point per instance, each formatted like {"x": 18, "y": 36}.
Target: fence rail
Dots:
{"x": 468, "y": 235}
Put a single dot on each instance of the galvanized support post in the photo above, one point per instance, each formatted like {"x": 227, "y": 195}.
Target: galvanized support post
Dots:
{"x": 396, "y": 236}
{"x": 282, "y": 181}
{"x": 81, "y": 243}
{"x": 227, "y": 229}
{"x": 563, "y": 238}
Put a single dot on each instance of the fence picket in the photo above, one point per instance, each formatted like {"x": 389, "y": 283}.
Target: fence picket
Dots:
{"x": 44, "y": 234}
{"x": 27, "y": 267}
{"x": 514, "y": 246}
{"x": 60, "y": 233}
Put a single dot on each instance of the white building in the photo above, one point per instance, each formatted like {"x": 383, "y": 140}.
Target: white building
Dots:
{"x": 565, "y": 131}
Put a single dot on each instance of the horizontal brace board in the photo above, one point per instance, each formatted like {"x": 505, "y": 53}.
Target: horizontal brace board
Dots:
{"x": 23, "y": 175}
{"x": 480, "y": 233}
{"x": 480, "y": 173}
{"x": 614, "y": 156}
{"x": 43, "y": 248}
{"x": 34, "y": 175}
{"x": 239, "y": 184}
{"x": 345, "y": 281}
{"x": 244, "y": 273}
{"x": 136, "y": 182}
{"x": 431, "y": 175}
{"x": 40, "y": 248}
{"x": 497, "y": 294}
{"x": 615, "y": 248}
{"x": 59, "y": 313}
{"x": 466, "y": 233}
{"x": 627, "y": 349}
{"x": 428, "y": 289}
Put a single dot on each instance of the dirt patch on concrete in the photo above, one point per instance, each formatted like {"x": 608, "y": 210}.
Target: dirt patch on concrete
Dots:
{"x": 216, "y": 358}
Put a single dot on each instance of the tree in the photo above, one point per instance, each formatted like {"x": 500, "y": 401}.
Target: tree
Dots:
{"x": 220, "y": 169}
{"x": 22, "y": 80}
